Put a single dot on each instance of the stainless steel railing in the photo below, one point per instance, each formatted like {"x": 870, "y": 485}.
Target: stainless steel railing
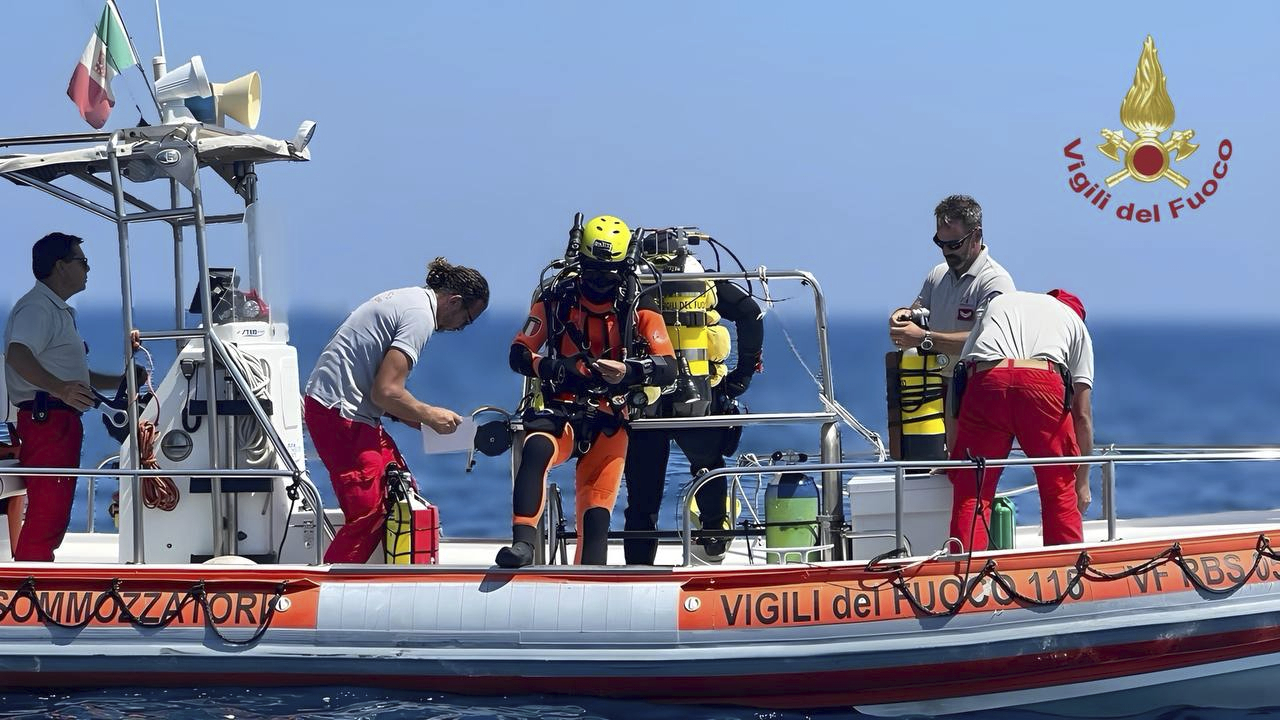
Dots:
{"x": 1109, "y": 463}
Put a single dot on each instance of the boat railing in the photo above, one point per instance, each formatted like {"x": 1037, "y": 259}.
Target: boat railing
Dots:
{"x": 1109, "y": 460}
{"x": 135, "y": 475}
{"x": 91, "y": 522}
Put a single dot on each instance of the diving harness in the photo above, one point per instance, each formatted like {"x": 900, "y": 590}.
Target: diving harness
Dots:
{"x": 564, "y": 395}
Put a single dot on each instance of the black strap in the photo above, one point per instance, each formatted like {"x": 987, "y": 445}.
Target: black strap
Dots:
{"x": 42, "y": 404}
{"x": 1068, "y": 387}
{"x": 593, "y": 385}
{"x": 959, "y": 378}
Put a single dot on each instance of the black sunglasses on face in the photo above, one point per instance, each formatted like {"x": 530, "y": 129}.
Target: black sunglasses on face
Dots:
{"x": 952, "y": 244}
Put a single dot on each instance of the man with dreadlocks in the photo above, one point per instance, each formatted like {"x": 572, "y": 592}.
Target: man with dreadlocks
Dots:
{"x": 361, "y": 376}
{"x": 577, "y": 344}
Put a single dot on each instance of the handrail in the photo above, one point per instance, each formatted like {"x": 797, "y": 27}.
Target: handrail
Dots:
{"x": 61, "y": 138}
{"x": 91, "y": 511}
{"x": 187, "y": 334}
{"x": 1113, "y": 448}
{"x": 255, "y": 405}
{"x": 717, "y": 421}
{"x": 832, "y": 514}
{"x": 297, "y": 473}
{"x": 18, "y": 471}
{"x": 899, "y": 467}
{"x": 282, "y": 451}
{"x": 130, "y": 379}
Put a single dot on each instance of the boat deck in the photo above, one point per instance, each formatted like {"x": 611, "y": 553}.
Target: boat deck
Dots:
{"x": 102, "y": 548}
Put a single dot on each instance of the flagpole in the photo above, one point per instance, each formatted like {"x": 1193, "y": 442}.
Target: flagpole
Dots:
{"x": 150, "y": 87}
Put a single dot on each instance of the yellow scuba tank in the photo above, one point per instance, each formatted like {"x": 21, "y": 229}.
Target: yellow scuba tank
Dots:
{"x": 718, "y": 347}
{"x": 916, "y": 390}
{"x": 413, "y": 524}
{"x": 686, "y": 305}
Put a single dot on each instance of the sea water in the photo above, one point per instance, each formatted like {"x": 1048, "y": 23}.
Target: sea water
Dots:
{"x": 1163, "y": 382}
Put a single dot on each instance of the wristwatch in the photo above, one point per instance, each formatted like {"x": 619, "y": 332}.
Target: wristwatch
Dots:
{"x": 927, "y": 343}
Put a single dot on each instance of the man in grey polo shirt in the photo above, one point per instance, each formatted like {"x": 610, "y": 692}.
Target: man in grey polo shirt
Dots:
{"x": 361, "y": 376}
{"x": 47, "y": 371}
{"x": 954, "y": 290}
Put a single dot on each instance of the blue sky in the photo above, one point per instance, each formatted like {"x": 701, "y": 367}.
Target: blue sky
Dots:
{"x": 816, "y": 135}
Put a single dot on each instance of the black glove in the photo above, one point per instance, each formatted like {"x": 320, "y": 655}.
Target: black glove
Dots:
{"x": 737, "y": 382}
{"x": 140, "y": 375}
{"x": 563, "y": 372}
{"x": 555, "y": 370}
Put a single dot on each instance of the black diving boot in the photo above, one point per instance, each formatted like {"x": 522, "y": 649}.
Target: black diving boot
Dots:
{"x": 520, "y": 552}
{"x": 515, "y": 556}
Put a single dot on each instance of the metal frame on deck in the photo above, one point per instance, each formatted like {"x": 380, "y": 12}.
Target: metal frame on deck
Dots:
{"x": 1113, "y": 456}
{"x": 831, "y": 517}
{"x": 183, "y": 172}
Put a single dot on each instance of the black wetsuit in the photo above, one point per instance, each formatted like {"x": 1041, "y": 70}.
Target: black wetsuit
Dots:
{"x": 649, "y": 450}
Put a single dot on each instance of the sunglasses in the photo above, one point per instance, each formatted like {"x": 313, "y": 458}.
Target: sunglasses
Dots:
{"x": 80, "y": 259}
{"x": 953, "y": 244}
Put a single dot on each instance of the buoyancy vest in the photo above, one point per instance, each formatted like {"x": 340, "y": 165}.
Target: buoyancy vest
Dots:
{"x": 571, "y": 327}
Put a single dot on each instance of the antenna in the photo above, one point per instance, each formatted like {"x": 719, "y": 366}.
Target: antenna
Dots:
{"x": 159, "y": 28}
{"x": 158, "y": 66}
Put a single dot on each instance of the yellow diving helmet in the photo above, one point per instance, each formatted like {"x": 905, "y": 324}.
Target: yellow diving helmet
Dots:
{"x": 605, "y": 239}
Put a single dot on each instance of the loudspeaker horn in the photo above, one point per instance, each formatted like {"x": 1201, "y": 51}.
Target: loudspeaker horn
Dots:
{"x": 185, "y": 81}
{"x": 240, "y": 99}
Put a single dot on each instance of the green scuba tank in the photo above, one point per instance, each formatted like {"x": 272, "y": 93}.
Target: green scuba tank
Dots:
{"x": 1003, "y": 523}
{"x": 790, "y": 514}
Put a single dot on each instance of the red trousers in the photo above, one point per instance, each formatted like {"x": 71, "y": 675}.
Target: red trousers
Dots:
{"x": 52, "y": 443}
{"x": 998, "y": 405}
{"x": 356, "y": 456}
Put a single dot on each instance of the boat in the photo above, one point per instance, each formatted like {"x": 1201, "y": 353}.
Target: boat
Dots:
{"x": 877, "y": 612}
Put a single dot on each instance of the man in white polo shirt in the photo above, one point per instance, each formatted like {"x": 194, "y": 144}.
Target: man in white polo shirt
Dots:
{"x": 47, "y": 371}
{"x": 1029, "y": 370}
{"x": 954, "y": 290}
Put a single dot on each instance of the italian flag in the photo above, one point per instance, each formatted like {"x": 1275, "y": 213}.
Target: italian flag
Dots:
{"x": 107, "y": 53}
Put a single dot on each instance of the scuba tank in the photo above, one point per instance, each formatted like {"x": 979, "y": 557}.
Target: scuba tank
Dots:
{"x": 684, "y": 310}
{"x": 1003, "y": 523}
{"x": 719, "y": 346}
{"x": 688, "y": 310}
{"x": 915, "y": 394}
{"x": 413, "y": 524}
{"x": 790, "y": 512}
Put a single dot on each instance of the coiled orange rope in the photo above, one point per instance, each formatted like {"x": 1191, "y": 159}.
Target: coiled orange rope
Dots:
{"x": 157, "y": 492}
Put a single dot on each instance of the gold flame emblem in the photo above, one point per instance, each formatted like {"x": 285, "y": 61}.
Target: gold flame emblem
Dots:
{"x": 1147, "y": 111}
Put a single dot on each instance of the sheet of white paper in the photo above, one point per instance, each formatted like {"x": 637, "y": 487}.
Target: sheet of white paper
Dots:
{"x": 460, "y": 440}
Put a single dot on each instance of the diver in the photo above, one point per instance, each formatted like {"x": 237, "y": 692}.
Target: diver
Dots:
{"x": 589, "y": 342}
{"x": 692, "y": 310}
